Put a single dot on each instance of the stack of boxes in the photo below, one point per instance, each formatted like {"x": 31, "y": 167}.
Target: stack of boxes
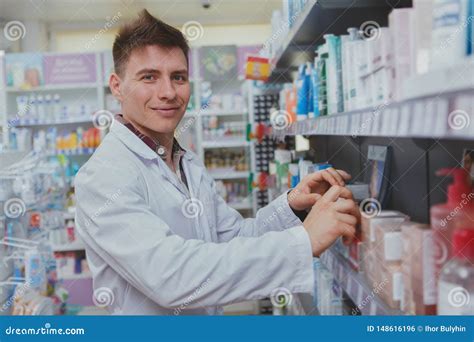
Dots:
{"x": 418, "y": 269}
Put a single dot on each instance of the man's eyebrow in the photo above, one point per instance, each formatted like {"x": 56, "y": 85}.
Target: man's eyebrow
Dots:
{"x": 147, "y": 71}
{"x": 180, "y": 71}
{"x": 155, "y": 71}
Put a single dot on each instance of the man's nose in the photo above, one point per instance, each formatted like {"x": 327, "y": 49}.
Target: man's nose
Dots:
{"x": 166, "y": 90}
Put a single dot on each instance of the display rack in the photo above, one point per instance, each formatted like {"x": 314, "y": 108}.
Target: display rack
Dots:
{"x": 429, "y": 126}
{"x": 355, "y": 285}
{"x": 323, "y": 17}
{"x": 404, "y": 119}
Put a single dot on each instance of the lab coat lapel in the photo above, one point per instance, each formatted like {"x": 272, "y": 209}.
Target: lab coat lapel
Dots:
{"x": 193, "y": 173}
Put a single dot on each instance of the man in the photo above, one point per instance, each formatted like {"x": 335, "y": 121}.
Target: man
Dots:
{"x": 159, "y": 239}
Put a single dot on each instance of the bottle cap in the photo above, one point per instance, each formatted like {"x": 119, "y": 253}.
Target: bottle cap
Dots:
{"x": 460, "y": 188}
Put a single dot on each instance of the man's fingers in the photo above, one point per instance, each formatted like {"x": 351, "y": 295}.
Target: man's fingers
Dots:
{"x": 347, "y": 206}
{"x": 309, "y": 199}
{"x": 348, "y": 233}
{"x": 336, "y": 175}
{"x": 333, "y": 193}
{"x": 344, "y": 174}
{"x": 347, "y": 219}
{"x": 346, "y": 193}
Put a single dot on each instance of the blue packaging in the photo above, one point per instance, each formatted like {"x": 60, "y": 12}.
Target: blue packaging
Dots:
{"x": 302, "y": 93}
{"x": 315, "y": 89}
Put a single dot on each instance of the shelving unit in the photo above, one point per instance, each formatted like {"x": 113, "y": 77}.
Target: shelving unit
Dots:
{"x": 404, "y": 119}
{"x": 428, "y": 128}
{"x": 355, "y": 285}
{"x": 323, "y": 17}
{"x": 230, "y": 175}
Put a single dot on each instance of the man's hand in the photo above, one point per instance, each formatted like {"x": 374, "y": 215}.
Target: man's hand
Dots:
{"x": 306, "y": 192}
{"x": 332, "y": 216}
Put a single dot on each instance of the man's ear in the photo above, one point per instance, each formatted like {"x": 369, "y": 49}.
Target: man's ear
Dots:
{"x": 114, "y": 85}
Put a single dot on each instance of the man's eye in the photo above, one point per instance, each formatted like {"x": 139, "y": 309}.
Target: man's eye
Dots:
{"x": 148, "y": 77}
{"x": 180, "y": 78}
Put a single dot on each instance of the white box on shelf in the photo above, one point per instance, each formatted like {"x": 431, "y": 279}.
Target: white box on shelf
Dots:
{"x": 401, "y": 28}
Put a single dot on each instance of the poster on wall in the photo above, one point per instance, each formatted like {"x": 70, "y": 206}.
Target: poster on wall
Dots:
{"x": 24, "y": 70}
{"x": 218, "y": 62}
{"x": 70, "y": 68}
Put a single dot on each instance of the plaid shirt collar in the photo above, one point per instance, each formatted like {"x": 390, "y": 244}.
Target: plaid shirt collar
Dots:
{"x": 160, "y": 150}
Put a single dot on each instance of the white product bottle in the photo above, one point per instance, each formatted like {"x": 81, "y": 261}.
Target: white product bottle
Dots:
{"x": 40, "y": 108}
{"x": 456, "y": 281}
{"x": 48, "y": 107}
{"x": 21, "y": 106}
{"x": 32, "y": 109}
{"x": 56, "y": 107}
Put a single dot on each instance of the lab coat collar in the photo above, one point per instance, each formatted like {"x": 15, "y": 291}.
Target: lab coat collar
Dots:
{"x": 135, "y": 144}
{"x": 193, "y": 169}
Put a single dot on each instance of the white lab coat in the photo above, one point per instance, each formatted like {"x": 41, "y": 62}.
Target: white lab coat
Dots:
{"x": 149, "y": 258}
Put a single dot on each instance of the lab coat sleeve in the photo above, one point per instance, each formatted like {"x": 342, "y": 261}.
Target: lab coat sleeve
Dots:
{"x": 114, "y": 220}
{"x": 276, "y": 216}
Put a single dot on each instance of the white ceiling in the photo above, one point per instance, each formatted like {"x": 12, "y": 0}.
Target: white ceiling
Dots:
{"x": 90, "y": 13}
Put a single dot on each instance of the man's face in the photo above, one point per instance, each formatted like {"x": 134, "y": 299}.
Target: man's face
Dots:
{"x": 154, "y": 88}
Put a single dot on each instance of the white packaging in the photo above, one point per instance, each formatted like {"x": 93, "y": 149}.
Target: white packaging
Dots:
{"x": 423, "y": 24}
{"x": 401, "y": 31}
{"x": 393, "y": 246}
{"x": 346, "y": 67}
{"x": 360, "y": 67}
{"x": 451, "y": 23}
{"x": 334, "y": 75}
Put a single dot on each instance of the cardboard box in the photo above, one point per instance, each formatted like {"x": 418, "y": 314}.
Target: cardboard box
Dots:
{"x": 418, "y": 270}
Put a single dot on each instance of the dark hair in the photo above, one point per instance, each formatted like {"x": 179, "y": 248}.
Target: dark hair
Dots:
{"x": 144, "y": 31}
